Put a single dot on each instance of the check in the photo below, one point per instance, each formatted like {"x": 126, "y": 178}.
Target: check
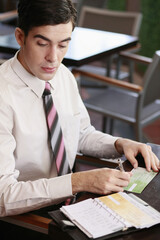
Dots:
{"x": 139, "y": 180}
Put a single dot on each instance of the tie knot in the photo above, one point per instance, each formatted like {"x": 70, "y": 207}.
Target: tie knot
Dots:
{"x": 47, "y": 90}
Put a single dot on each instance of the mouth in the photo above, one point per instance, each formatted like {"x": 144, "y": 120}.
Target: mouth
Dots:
{"x": 49, "y": 69}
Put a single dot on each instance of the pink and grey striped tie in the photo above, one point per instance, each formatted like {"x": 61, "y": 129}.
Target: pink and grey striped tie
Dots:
{"x": 55, "y": 132}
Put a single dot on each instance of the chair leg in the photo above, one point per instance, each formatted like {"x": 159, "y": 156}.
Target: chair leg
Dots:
{"x": 118, "y": 67}
{"x": 131, "y": 71}
{"x": 107, "y": 124}
{"x": 109, "y": 65}
{"x": 138, "y": 131}
{"x": 104, "y": 123}
{"x": 111, "y": 126}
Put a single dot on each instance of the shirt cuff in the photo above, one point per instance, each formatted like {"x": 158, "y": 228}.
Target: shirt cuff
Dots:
{"x": 60, "y": 187}
{"x": 107, "y": 145}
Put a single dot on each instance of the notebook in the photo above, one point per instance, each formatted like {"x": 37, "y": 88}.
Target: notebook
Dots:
{"x": 102, "y": 216}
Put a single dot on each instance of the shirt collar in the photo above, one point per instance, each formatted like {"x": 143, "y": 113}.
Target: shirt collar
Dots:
{"x": 35, "y": 84}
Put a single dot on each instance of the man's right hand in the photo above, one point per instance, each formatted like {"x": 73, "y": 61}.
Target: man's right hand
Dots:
{"x": 100, "y": 181}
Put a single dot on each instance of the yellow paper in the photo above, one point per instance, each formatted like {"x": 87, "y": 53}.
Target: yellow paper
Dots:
{"x": 127, "y": 210}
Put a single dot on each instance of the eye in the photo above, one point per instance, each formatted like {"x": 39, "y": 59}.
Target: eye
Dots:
{"x": 62, "y": 46}
{"x": 42, "y": 44}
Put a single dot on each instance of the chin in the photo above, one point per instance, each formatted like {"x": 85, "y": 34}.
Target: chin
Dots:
{"x": 46, "y": 78}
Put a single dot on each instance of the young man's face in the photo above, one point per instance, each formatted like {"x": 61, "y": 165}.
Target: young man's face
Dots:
{"x": 43, "y": 49}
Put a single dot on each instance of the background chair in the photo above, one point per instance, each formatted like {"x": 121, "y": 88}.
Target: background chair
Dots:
{"x": 133, "y": 104}
{"x": 7, "y": 26}
{"x": 109, "y": 20}
{"x": 7, "y": 5}
{"x": 79, "y": 4}
{"x": 6, "y": 22}
{"x": 114, "y": 21}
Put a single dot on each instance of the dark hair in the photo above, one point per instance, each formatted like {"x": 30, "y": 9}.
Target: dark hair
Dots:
{"x": 34, "y": 13}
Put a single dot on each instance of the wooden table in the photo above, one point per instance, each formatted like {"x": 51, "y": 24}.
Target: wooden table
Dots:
{"x": 151, "y": 194}
{"x": 87, "y": 45}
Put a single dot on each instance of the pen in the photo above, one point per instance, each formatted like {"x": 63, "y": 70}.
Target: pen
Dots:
{"x": 120, "y": 165}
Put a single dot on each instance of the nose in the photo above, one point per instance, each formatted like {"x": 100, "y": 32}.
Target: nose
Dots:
{"x": 51, "y": 55}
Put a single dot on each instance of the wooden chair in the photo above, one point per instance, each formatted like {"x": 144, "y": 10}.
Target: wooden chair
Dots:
{"x": 8, "y": 16}
{"x": 5, "y": 19}
{"x": 133, "y": 104}
{"x": 114, "y": 21}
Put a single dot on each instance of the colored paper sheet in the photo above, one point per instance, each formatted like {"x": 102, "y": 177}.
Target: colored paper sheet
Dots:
{"x": 140, "y": 179}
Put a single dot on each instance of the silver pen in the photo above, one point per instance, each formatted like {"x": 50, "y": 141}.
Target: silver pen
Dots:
{"x": 120, "y": 165}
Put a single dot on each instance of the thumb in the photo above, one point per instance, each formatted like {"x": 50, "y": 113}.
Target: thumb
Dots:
{"x": 134, "y": 162}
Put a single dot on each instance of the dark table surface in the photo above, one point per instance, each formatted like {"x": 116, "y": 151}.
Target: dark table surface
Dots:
{"x": 42, "y": 221}
{"x": 87, "y": 45}
{"x": 151, "y": 194}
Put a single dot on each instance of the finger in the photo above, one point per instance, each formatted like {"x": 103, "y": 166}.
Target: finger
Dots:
{"x": 124, "y": 175}
{"x": 130, "y": 155}
{"x": 110, "y": 188}
{"x": 122, "y": 183}
{"x": 146, "y": 151}
{"x": 147, "y": 159}
{"x": 122, "y": 179}
{"x": 134, "y": 162}
{"x": 116, "y": 181}
{"x": 154, "y": 162}
{"x": 151, "y": 160}
{"x": 114, "y": 188}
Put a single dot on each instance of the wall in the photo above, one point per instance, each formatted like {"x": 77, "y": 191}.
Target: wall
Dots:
{"x": 150, "y": 29}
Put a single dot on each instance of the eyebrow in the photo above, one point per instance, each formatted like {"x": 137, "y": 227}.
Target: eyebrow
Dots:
{"x": 48, "y": 40}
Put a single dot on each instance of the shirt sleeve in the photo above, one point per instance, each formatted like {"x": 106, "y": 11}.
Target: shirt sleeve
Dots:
{"x": 21, "y": 196}
{"x": 93, "y": 142}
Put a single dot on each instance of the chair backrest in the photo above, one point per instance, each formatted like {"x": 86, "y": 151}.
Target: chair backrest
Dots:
{"x": 151, "y": 90}
{"x": 7, "y": 5}
{"x": 8, "y": 16}
{"x": 113, "y": 21}
{"x": 6, "y": 22}
{"x": 92, "y": 3}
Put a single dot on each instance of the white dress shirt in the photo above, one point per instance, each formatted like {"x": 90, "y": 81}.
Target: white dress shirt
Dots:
{"x": 27, "y": 181}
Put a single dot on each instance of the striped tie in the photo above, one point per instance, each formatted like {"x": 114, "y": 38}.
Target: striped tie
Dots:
{"x": 55, "y": 133}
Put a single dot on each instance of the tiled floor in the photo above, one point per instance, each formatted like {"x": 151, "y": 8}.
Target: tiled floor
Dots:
{"x": 151, "y": 132}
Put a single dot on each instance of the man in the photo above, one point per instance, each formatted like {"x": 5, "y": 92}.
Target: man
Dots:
{"x": 28, "y": 174}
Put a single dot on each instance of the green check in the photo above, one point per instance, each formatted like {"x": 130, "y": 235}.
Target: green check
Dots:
{"x": 139, "y": 180}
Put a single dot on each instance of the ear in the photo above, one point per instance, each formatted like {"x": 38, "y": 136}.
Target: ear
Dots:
{"x": 20, "y": 36}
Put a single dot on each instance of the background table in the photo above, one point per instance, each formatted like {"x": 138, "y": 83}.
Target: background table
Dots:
{"x": 87, "y": 45}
